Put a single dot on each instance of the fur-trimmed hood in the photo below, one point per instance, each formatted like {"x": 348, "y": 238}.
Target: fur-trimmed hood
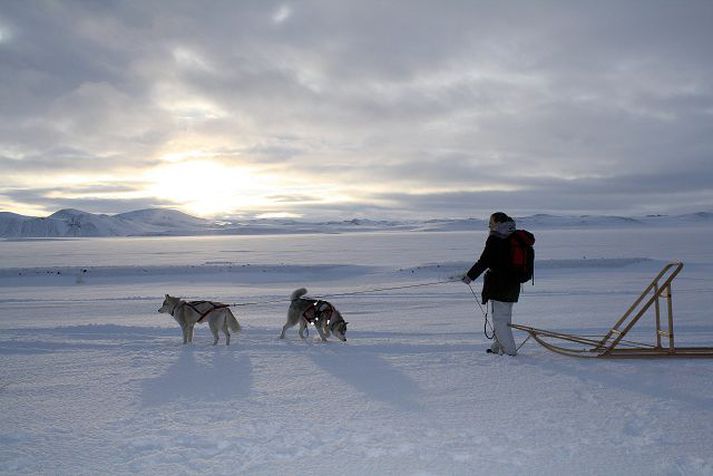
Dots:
{"x": 504, "y": 229}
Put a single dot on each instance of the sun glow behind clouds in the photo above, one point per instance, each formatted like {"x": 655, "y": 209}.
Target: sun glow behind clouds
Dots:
{"x": 208, "y": 187}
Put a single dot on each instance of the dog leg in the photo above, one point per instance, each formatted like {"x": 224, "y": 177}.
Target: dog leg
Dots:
{"x": 284, "y": 329}
{"x": 214, "y": 326}
{"x": 226, "y": 331}
{"x": 304, "y": 332}
{"x": 321, "y": 333}
{"x": 190, "y": 334}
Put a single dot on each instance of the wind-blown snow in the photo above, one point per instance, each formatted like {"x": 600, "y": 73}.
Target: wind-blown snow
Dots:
{"x": 94, "y": 381}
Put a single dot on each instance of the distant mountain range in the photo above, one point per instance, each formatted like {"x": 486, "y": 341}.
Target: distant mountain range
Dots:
{"x": 70, "y": 222}
{"x": 164, "y": 222}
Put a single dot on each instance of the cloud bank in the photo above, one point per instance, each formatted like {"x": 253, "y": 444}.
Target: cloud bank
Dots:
{"x": 350, "y": 108}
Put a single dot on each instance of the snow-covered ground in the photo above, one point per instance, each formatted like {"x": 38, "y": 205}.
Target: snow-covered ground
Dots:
{"x": 94, "y": 381}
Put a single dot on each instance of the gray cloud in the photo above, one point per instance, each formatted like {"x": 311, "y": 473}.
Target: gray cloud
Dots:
{"x": 91, "y": 202}
{"x": 625, "y": 195}
{"x": 582, "y": 105}
{"x": 67, "y": 159}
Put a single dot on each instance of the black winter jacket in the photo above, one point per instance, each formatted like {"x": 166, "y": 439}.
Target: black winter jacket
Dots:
{"x": 499, "y": 283}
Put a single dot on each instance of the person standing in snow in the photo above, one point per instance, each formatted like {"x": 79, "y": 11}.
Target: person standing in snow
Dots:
{"x": 500, "y": 285}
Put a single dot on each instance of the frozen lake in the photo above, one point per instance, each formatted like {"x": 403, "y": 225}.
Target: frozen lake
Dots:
{"x": 379, "y": 248}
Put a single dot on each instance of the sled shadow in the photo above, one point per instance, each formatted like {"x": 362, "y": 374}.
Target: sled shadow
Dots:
{"x": 371, "y": 375}
{"x": 198, "y": 375}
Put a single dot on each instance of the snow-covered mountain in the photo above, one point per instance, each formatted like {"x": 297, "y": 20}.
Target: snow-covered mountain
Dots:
{"x": 79, "y": 223}
{"x": 14, "y": 225}
{"x": 554, "y": 221}
{"x": 70, "y": 222}
{"x": 161, "y": 217}
{"x": 159, "y": 222}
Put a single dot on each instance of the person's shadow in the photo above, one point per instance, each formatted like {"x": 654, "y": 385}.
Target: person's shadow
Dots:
{"x": 196, "y": 375}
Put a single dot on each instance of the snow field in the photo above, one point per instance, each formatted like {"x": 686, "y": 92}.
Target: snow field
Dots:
{"x": 94, "y": 381}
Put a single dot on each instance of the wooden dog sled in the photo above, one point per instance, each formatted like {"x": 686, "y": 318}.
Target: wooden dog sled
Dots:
{"x": 614, "y": 344}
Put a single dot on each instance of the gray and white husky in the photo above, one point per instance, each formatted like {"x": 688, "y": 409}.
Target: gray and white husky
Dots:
{"x": 322, "y": 314}
{"x": 189, "y": 313}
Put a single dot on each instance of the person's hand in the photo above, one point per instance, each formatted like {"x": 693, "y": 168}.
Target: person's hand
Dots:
{"x": 466, "y": 279}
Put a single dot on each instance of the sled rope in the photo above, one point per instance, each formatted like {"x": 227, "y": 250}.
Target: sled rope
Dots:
{"x": 523, "y": 342}
{"x": 352, "y": 293}
{"x": 256, "y": 303}
{"x": 391, "y": 288}
{"x": 486, "y": 321}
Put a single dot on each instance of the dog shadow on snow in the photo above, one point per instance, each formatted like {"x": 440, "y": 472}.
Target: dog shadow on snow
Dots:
{"x": 201, "y": 375}
{"x": 369, "y": 374}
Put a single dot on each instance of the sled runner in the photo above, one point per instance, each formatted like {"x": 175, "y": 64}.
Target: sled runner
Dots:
{"x": 613, "y": 343}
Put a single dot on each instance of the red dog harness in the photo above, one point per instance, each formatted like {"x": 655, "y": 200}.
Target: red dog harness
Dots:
{"x": 318, "y": 311}
{"x": 213, "y": 307}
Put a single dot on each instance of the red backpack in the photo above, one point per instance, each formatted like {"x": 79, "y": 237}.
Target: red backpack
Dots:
{"x": 522, "y": 255}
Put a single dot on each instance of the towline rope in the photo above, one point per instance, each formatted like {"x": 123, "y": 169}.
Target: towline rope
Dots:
{"x": 486, "y": 324}
{"x": 391, "y": 288}
{"x": 352, "y": 293}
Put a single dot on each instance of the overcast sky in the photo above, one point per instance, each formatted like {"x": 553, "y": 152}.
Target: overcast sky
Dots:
{"x": 357, "y": 108}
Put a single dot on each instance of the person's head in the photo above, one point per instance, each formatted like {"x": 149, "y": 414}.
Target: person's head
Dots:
{"x": 498, "y": 217}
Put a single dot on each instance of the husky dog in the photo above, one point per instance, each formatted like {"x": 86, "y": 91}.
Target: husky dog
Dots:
{"x": 188, "y": 313}
{"x": 322, "y": 314}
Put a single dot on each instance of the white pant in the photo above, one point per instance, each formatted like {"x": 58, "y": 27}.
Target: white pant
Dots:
{"x": 502, "y": 316}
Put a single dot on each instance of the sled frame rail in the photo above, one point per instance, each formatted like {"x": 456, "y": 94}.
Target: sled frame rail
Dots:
{"x": 613, "y": 343}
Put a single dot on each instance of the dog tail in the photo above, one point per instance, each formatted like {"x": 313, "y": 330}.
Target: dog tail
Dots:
{"x": 233, "y": 323}
{"x": 298, "y": 293}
